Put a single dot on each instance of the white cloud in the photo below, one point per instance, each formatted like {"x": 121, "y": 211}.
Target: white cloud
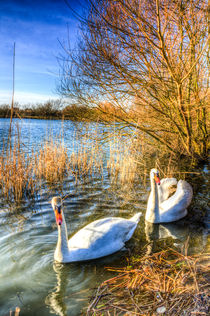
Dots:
{"x": 23, "y": 97}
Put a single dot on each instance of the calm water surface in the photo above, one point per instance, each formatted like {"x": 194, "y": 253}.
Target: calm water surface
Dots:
{"x": 30, "y": 279}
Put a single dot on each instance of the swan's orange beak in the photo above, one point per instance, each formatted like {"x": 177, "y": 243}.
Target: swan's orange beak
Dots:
{"x": 58, "y": 216}
{"x": 157, "y": 179}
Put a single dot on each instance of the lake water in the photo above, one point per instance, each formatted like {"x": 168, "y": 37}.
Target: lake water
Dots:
{"x": 30, "y": 279}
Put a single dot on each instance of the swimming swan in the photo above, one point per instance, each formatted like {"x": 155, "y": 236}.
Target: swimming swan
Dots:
{"x": 98, "y": 239}
{"x": 160, "y": 207}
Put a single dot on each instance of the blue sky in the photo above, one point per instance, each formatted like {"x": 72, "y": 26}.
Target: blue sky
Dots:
{"x": 35, "y": 26}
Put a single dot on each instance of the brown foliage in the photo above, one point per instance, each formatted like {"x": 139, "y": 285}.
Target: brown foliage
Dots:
{"x": 149, "y": 60}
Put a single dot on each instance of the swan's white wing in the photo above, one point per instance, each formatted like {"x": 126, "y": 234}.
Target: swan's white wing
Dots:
{"x": 101, "y": 238}
{"x": 103, "y": 233}
{"x": 164, "y": 189}
{"x": 175, "y": 207}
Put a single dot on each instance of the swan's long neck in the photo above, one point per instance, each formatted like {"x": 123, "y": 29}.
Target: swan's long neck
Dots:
{"x": 62, "y": 248}
{"x": 152, "y": 214}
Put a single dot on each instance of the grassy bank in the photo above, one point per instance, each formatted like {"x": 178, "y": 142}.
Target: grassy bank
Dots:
{"x": 165, "y": 283}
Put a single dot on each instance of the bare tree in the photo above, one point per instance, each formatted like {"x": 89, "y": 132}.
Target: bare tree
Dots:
{"x": 151, "y": 60}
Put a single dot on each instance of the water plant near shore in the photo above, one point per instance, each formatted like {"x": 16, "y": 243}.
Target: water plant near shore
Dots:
{"x": 122, "y": 163}
{"x": 86, "y": 158}
{"x": 122, "y": 158}
{"x": 51, "y": 162}
{"x": 16, "y": 174}
{"x": 22, "y": 174}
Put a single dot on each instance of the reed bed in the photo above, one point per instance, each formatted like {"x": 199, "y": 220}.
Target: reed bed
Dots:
{"x": 87, "y": 156}
{"x": 165, "y": 283}
{"x": 51, "y": 162}
{"x": 23, "y": 174}
{"x": 16, "y": 174}
{"x": 122, "y": 162}
{"x": 121, "y": 156}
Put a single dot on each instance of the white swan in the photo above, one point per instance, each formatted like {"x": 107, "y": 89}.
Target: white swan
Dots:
{"x": 98, "y": 239}
{"x": 160, "y": 207}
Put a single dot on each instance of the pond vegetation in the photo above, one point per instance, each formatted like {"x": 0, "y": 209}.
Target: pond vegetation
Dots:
{"x": 105, "y": 153}
{"x": 123, "y": 156}
{"x": 142, "y": 74}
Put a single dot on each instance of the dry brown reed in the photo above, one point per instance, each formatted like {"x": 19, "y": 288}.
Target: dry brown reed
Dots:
{"x": 16, "y": 174}
{"x": 22, "y": 174}
{"x": 121, "y": 164}
{"x": 167, "y": 281}
{"x": 51, "y": 162}
{"x": 125, "y": 155}
{"x": 87, "y": 156}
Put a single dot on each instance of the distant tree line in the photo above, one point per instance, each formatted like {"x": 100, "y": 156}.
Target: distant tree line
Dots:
{"x": 56, "y": 109}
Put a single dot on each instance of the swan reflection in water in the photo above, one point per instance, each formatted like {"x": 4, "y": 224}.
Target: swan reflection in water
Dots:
{"x": 75, "y": 283}
{"x": 186, "y": 237}
{"x": 70, "y": 279}
{"x": 55, "y": 299}
{"x": 177, "y": 231}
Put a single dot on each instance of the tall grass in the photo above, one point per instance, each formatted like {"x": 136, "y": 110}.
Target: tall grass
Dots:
{"x": 99, "y": 153}
{"x": 86, "y": 159}
{"x": 51, "y": 162}
{"x": 122, "y": 163}
{"x": 22, "y": 174}
{"x": 16, "y": 174}
{"x": 123, "y": 157}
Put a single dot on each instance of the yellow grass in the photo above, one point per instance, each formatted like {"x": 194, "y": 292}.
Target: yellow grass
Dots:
{"x": 127, "y": 163}
{"x": 87, "y": 156}
{"x": 16, "y": 174}
{"x": 21, "y": 174}
{"x": 51, "y": 162}
{"x": 121, "y": 164}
